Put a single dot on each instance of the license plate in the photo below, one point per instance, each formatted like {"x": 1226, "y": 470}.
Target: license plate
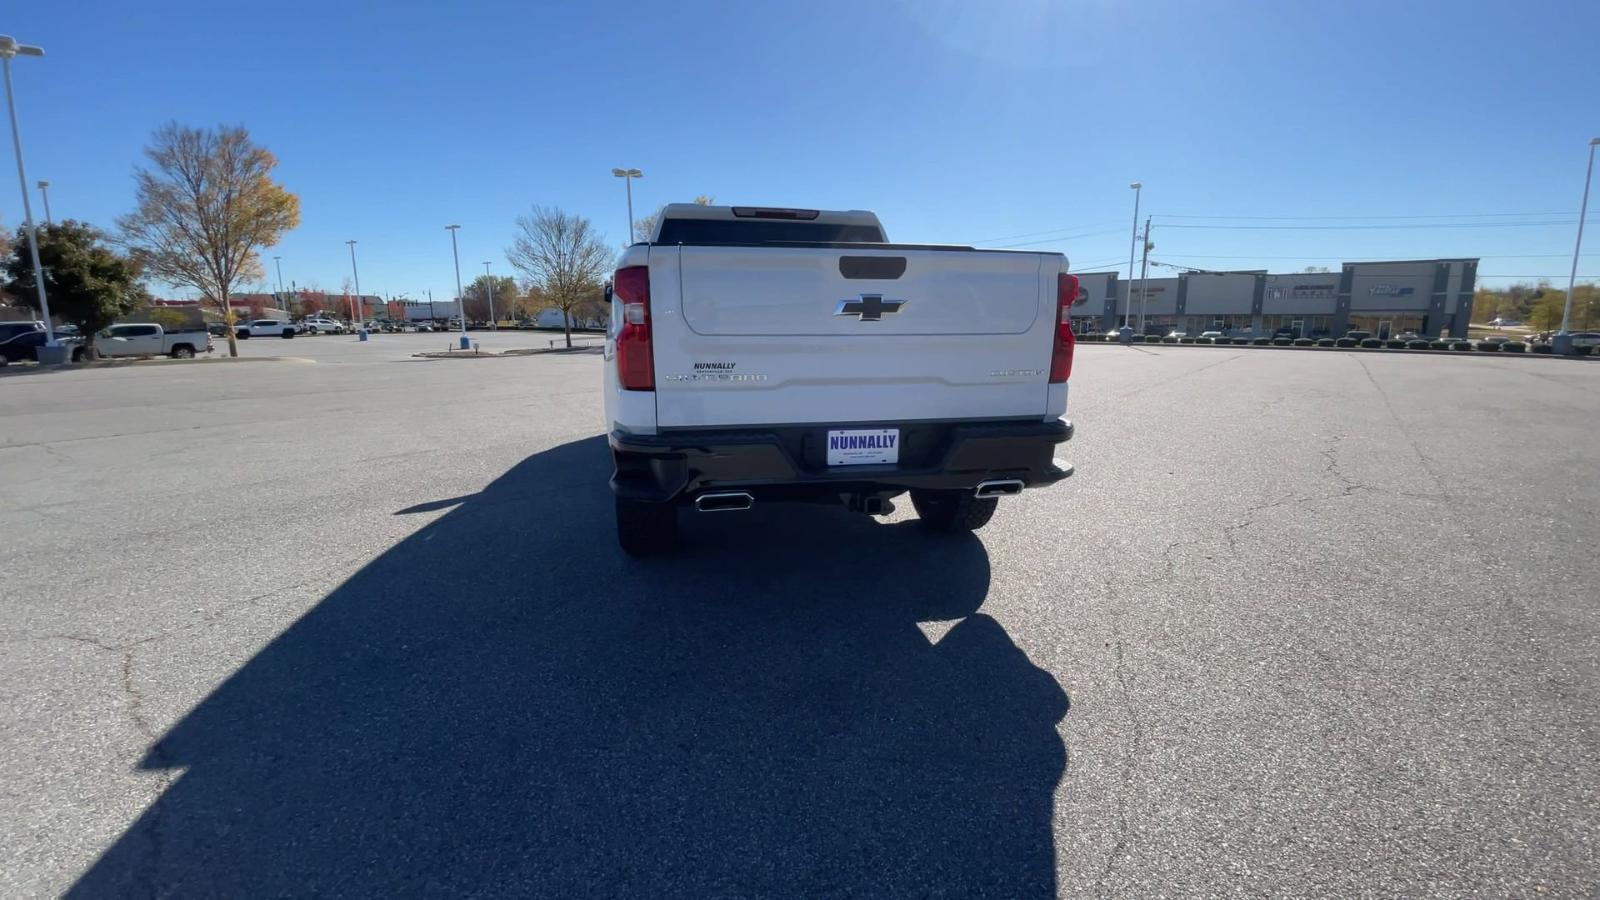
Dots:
{"x": 865, "y": 446}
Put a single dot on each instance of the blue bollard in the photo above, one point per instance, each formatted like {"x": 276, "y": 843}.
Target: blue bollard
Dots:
{"x": 466, "y": 344}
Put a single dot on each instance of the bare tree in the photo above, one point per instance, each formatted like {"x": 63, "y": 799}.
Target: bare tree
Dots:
{"x": 204, "y": 208}
{"x": 645, "y": 228}
{"x": 562, "y": 256}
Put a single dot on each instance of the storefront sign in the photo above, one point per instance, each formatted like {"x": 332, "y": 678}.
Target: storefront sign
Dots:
{"x": 1390, "y": 290}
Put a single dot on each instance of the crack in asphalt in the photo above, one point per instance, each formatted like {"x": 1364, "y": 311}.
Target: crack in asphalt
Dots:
{"x": 148, "y": 827}
{"x": 1131, "y": 747}
{"x": 1188, "y": 373}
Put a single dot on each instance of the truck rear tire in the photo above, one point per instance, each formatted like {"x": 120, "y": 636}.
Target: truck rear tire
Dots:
{"x": 953, "y": 511}
{"x": 183, "y": 351}
{"x": 646, "y": 529}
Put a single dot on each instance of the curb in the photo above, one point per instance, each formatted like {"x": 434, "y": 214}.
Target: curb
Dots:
{"x": 503, "y": 354}
{"x": 19, "y": 368}
{"x": 1460, "y": 354}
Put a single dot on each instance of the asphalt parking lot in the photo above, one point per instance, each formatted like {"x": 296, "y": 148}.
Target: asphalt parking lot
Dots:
{"x": 1302, "y": 624}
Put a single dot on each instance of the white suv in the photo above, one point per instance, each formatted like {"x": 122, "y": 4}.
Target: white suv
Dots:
{"x": 322, "y": 325}
{"x": 266, "y": 328}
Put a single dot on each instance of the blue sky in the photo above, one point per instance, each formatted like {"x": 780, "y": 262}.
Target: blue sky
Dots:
{"x": 956, "y": 122}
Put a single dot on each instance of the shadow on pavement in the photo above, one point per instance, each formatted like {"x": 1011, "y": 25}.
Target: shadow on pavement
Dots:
{"x": 502, "y": 704}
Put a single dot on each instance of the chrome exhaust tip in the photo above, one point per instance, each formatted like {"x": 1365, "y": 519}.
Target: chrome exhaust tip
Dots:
{"x": 723, "y": 501}
{"x": 1002, "y": 487}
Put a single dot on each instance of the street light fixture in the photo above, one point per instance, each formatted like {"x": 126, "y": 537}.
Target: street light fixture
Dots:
{"x": 44, "y": 191}
{"x": 628, "y": 175}
{"x": 1138, "y": 189}
{"x": 9, "y": 48}
{"x": 1562, "y": 342}
{"x": 488, "y": 284}
{"x": 461, "y": 302}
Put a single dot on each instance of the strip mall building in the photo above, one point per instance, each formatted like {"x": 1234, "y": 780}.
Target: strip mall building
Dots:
{"x": 1430, "y": 297}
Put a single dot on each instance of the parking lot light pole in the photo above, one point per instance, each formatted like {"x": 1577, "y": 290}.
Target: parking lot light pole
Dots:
{"x": 628, "y": 175}
{"x": 360, "y": 323}
{"x": 9, "y": 48}
{"x": 278, "y": 261}
{"x": 488, "y": 283}
{"x": 44, "y": 193}
{"x": 1562, "y": 342}
{"x": 461, "y": 302}
{"x": 1138, "y": 188}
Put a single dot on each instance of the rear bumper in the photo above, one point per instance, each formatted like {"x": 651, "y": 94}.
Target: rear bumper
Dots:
{"x": 790, "y": 462}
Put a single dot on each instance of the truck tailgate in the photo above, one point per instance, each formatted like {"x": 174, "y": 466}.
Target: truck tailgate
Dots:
{"x": 771, "y": 334}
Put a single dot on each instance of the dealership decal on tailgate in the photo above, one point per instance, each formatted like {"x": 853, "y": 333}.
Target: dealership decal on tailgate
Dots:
{"x": 863, "y": 447}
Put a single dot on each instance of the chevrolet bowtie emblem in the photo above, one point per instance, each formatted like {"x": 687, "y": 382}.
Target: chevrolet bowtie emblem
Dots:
{"x": 869, "y": 308}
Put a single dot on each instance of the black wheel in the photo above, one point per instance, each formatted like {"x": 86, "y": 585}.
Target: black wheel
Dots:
{"x": 243, "y": 336}
{"x": 182, "y": 352}
{"x": 288, "y": 333}
{"x": 646, "y": 529}
{"x": 953, "y": 510}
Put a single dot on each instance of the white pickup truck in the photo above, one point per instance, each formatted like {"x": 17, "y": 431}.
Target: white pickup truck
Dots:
{"x": 150, "y": 339}
{"x": 760, "y": 354}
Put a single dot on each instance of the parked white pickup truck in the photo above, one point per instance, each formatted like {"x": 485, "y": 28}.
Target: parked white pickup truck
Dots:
{"x": 150, "y": 339}
{"x": 761, "y": 354}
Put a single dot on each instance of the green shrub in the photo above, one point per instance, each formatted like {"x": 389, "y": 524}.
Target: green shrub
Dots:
{"x": 1345, "y": 342}
{"x": 1393, "y": 344}
{"x": 1488, "y": 347}
{"x": 1202, "y": 340}
{"x": 1513, "y": 347}
{"x": 1186, "y": 340}
{"x": 1582, "y": 351}
{"x": 1420, "y": 344}
{"x": 1327, "y": 342}
{"x": 1371, "y": 343}
{"x": 1461, "y": 345}
{"x": 1440, "y": 345}
{"x": 1169, "y": 339}
{"x": 1304, "y": 342}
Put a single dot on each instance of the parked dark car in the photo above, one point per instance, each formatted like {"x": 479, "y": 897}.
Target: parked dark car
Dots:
{"x": 24, "y": 346}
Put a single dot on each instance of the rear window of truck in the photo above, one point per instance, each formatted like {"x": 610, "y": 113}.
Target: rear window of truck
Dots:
{"x": 721, "y": 232}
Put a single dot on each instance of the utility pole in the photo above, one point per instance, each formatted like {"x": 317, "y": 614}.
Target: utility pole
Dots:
{"x": 1127, "y": 311}
{"x": 1562, "y": 342}
{"x": 1144, "y": 274}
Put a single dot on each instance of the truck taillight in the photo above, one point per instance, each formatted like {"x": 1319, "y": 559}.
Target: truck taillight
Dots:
{"x": 635, "y": 362}
{"x": 1061, "y": 353}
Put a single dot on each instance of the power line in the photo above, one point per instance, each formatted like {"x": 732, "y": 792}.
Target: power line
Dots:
{"x": 1057, "y": 240}
{"x": 1355, "y": 258}
{"x": 1548, "y": 224}
{"x": 1036, "y": 233}
{"x": 1359, "y": 218}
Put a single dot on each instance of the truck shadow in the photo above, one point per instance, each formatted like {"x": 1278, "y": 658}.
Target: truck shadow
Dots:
{"x": 502, "y": 704}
